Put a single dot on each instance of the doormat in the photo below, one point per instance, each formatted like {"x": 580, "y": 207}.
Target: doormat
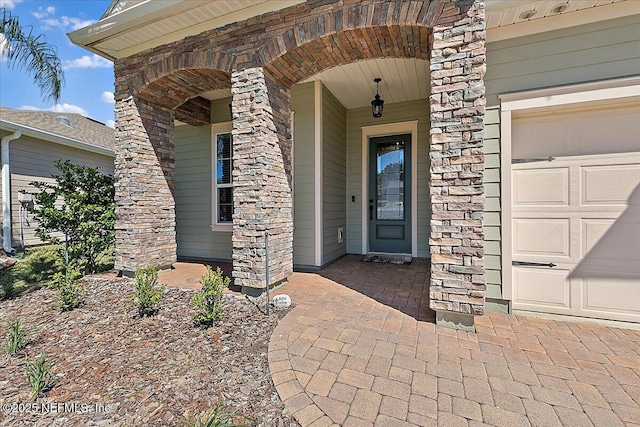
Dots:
{"x": 388, "y": 258}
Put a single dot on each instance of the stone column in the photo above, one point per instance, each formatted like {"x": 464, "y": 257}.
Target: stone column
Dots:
{"x": 144, "y": 171}
{"x": 262, "y": 180}
{"x": 458, "y": 64}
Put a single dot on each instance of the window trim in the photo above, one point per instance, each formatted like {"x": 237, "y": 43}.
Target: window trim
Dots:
{"x": 217, "y": 129}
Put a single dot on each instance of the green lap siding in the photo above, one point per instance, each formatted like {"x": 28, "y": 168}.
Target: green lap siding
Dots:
{"x": 303, "y": 106}
{"x": 193, "y": 195}
{"x": 334, "y": 215}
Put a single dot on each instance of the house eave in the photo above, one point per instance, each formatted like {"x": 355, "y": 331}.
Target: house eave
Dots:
{"x": 57, "y": 139}
{"x": 569, "y": 19}
{"x": 150, "y": 12}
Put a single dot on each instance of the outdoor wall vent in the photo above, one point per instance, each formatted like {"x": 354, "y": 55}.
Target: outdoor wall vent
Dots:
{"x": 63, "y": 120}
{"x": 528, "y": 14}
{"x": 560, "y": 8}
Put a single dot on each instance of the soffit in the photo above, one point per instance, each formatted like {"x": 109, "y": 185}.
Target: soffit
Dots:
{"x": 132, "y": 26}
{"x": 501, "y": 13}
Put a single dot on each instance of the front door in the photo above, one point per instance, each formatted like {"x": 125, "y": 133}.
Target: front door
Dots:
{"x": 390, "y": 194}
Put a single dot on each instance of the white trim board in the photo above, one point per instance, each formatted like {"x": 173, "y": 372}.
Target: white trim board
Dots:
{"x": 564, "y": 97}
{"x": 384, "y": 130}
{"x": 318, "y": 172}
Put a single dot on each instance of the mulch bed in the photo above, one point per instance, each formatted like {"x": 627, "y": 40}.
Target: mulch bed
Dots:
{"x": 114, "y": 368}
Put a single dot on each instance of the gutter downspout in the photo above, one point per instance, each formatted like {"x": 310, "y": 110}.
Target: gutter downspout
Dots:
{"x": 6, "y": 192}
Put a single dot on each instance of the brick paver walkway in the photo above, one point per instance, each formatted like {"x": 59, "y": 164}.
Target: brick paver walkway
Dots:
{"x": 342, "y": 357}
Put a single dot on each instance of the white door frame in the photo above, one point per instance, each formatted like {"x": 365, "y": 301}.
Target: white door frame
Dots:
{"x": 385, "y": 130}
{"x": 565, "y": 97}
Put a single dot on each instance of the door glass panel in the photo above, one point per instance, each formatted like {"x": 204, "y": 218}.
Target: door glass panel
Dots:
{"x": 390, "y": 180}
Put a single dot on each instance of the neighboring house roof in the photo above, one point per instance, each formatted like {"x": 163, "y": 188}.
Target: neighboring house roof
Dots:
{"x": 80, "y": 132}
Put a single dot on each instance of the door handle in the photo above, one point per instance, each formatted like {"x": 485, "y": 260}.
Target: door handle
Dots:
{"x": 370, "y": 209}
{"x": 532, "y": 264}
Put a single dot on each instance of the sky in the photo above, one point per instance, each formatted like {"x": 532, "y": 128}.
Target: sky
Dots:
{"x": 89, "y": 78}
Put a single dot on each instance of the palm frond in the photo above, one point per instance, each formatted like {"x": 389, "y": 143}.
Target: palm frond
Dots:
{"x": 27, "y": 51}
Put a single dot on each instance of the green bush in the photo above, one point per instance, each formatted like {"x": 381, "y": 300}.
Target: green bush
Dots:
{"x": 17, "y": 339}
{"x": 208, "y": 300}
{"x": 7, "y": 284}
{"x": 147, "y": 291}
{"x": 80, "y": 203}
{"x": 68, "y": 289}
{"x": 34, "y": 268}
{"x": 39, "y": 376}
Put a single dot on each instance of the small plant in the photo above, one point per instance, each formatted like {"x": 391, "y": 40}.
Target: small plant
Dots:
{"x": 208, "y": 300}
{"x": 220, "y": 417}
{"x": 39, "y": 376}
{"x": 68, "y": 289}
{"x": 17, "y": 338}
{"x": 147, "y": 291}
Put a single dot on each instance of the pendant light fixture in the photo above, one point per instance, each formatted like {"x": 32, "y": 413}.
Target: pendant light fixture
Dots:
{"x": 377, "y": 104}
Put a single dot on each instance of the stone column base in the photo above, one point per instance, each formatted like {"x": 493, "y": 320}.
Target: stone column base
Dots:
{"x": 453, "y": 320}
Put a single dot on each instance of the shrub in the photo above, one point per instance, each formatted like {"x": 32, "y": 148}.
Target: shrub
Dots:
{"x": 68, "y": 289}
{"x": 208, "y": 301}
{"x": 220, "y": 417}
{"x": 147, "y": 291}
{"x": 39, "y": 376}
{"x": 7, "y": 283}
{"x": 80, "y": 203}
{"x": 17, "y": 339}
{"x": 34, "y": 267}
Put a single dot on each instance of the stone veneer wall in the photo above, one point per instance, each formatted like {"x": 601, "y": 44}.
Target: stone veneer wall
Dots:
{"x": 261, "y": 177}
{"x": 458, "y": 65}
{"x": 266, "y": 55}
{"x": 144, "y": 170}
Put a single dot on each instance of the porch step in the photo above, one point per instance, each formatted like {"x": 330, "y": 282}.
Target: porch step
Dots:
{"x": 388, "y": 258}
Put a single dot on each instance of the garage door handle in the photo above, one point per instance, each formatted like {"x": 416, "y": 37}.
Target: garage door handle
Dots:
{"x": 533, "y": 264}
{"x": 533, "y": 159}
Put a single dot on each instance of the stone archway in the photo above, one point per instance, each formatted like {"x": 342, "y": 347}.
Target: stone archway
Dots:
{"x": 264, "y": 56}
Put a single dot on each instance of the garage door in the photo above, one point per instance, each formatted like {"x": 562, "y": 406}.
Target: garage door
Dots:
{"x": 576, "y": 213}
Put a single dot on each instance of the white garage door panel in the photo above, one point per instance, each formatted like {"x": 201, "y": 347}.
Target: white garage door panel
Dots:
{"x": 580, "y": 211}
{"x": 542, "y": 288}
{"x": 541, "y": 237}
{"x": 609, "y": 184}
{"x": 603, "y": 295}
{"x": 541, "y": 187}
{"x": 613, "y": 131}
{"x": 592, "y": 232}
{"x": 617, "y": 241}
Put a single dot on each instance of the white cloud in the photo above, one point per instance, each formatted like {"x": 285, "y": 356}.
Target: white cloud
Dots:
{"x": 9, "y": 4}
{"x": 48, "y": 20}
{"x": 58, "y": 108}
{"x": 111, "y": 124}
{"x": 108, "y": 97}
{"x": 43, "y": 13}
{"x": 86, "y": 61}
{"x": 65, "y": 23}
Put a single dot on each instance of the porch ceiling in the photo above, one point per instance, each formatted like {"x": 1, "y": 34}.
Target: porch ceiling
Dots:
{"x": 402, "y": 80}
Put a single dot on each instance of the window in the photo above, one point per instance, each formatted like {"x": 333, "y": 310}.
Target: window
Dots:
{"x": 222, "y": 181}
